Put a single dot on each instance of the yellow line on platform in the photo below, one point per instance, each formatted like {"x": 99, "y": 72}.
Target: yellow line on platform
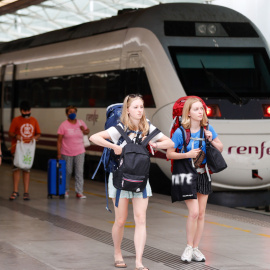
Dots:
{"x": 220, "y": 224}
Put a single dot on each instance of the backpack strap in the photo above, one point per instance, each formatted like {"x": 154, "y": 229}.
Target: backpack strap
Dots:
{"x": 184, "y": 138}
{"x": 106, "y": 190}
{"x": 123, "y": 134}
{"x": 94, "y": 174}
{"x": 150, "y": 136}
{"x": 117, "y": 197}
{"x": 201, "y": 139}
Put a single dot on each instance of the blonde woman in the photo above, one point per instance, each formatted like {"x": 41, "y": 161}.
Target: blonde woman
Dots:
{"x": 134, "y": 120}
{"x": 193, "y": 118}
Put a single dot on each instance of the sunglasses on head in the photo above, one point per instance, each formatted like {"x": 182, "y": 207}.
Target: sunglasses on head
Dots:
{"x": 134, "y": 95}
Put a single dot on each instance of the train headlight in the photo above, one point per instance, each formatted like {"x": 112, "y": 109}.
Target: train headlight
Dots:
{"x": 209, "y": 111}
{"x": 266, "y": 110}
{"x": 211, "y": 29}
{"x": 202, "y": 29}
{"x": 213, "y": 111}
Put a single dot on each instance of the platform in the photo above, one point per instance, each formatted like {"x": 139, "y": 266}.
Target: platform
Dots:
{"x": 75, "y": 233}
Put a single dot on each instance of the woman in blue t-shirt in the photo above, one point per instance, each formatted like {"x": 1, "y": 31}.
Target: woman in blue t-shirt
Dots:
{"x": 193, "y": 118}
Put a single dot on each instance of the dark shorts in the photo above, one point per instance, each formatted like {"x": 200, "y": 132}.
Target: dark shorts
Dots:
{"x": 204, "y": 186}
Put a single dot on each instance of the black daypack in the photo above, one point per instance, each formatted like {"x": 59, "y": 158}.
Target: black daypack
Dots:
{"x": 134, "y": 164}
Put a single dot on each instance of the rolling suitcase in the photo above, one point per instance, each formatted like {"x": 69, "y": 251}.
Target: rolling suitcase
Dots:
{"x": 56, "y": 178}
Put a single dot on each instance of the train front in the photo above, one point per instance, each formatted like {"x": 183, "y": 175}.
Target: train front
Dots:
{"x": 223, "y": 58}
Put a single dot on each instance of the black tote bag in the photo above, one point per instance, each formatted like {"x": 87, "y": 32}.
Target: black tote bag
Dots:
{"x": 184, "y": 178}
{"x": 215, "y": 161}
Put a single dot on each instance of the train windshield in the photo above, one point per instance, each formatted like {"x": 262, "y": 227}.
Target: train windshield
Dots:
{"x": 223, "y": 72}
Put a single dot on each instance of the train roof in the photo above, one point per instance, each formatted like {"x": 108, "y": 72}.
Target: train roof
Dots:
{"x": 150, "y": 18}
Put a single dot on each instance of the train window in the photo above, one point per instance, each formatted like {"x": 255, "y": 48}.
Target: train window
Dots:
{"x": 98, "y": 89}
{"x": 136, "y": 82}
{"x": 223, "y": 72}
{"x": 7, "y": 94}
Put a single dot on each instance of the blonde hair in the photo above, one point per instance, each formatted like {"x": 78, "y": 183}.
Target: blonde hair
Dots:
{"x": 143, "y": 124}
{"x": 185, "y": 113}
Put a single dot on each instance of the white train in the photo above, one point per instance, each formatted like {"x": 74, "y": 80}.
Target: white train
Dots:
{"x": 163, "y": 52}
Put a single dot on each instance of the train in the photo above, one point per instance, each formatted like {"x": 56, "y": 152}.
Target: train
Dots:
{"x": 163, "y": 52}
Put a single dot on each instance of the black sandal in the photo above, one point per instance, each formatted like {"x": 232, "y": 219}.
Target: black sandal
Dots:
{"x": 14, "y": 196}
{"x": 26, "y": 196}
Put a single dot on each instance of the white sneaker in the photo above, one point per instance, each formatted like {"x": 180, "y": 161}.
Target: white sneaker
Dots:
{"x": 197, "y": 255}
{"x": 187, "y": 254}
{"x": 66, "y": 194}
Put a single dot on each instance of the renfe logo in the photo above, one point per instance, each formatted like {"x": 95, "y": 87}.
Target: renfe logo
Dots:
{"x": 242, "y": 150}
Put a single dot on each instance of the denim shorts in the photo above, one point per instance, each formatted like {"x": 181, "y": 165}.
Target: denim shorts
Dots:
{"x": 127, "y": 194}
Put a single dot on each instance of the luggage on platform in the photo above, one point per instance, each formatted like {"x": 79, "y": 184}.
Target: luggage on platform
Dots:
{"x": 56, "y": 178}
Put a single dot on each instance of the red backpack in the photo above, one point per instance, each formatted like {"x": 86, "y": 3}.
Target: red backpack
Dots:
{"x": 177, "y": 117}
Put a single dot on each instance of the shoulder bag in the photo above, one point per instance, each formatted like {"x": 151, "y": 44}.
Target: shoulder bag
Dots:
{"x": 214, "y": 159}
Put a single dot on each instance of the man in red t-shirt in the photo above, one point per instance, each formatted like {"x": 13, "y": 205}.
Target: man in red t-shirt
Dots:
{"x": 24, "y": 128}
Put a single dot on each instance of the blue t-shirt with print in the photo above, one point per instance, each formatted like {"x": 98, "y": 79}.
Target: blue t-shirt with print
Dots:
{"x": 177, "y": 138}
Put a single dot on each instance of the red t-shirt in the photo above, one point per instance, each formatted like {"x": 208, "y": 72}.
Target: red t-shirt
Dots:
{"x": 26, "y": 127}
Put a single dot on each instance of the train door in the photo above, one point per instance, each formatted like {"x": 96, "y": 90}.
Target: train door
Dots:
{"x": 6, "y": 102}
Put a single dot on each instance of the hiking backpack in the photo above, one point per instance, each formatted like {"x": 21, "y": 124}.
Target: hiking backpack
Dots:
{"x": 134, "y": 164}
{"x": 177, "y": 118}
{"x": 108, "y": 158}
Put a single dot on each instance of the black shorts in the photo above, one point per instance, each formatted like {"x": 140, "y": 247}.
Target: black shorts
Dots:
{"x": 204, "y": 186}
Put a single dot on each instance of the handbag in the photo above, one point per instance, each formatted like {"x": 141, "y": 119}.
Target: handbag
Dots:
{"x": 24, "y": 154}
{"x": 215, "y": 161}
{"x": 184, "y": 179}
{"x": 86, "y": 141}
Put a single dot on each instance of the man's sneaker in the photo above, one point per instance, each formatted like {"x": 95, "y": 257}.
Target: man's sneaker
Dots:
{"x": 66, "y": 194}
{"x": 197, "y": 255}
{"x": 80, "y": 196}
{"x": 187, "y": 254}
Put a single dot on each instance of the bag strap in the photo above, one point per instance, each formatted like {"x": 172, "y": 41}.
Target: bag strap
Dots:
{"x": 201, "y": 139}
{"x": 106, "y": 191}
{"x": 150, "y": 136}
{"x": 123, "y": 134}
{"x": 94, "y": 174}
{"x": 184, "y": 138}
{"x": 80, "y": 123}
{"x": 206, "y": 140}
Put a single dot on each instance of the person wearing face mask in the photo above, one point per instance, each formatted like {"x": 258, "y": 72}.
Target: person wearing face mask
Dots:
{"x": 25, "y": 128}
{"x": 70, "y": 147}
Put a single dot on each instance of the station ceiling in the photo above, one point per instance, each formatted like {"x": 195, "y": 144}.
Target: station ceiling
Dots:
{"x": 24, "y": 18}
